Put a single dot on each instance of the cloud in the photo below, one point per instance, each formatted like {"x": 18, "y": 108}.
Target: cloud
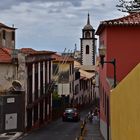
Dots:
{"x": 9, "y": 3}
{"x": 53, "y": 24}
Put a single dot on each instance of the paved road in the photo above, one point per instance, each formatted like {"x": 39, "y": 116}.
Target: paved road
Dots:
{"x": 57, "y": 130}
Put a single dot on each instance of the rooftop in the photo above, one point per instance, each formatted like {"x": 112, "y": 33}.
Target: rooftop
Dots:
{"x": 129, "y": 20}
{"x": 31, "y": 51}
{"x": 61, "y": 58}
{"x": 5, "y": 55}
{"x": 5, "y": 26}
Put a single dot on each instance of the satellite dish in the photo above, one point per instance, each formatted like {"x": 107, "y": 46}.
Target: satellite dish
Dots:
{"x": 16, "y": 85}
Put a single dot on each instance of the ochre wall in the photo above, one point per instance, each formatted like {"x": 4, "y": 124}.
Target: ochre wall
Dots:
{"x": 125, "y": 108}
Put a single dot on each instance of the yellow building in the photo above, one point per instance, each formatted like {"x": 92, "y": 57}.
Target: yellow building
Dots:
{"x": 125, "y": 108}
{"x": 63, "y": 74}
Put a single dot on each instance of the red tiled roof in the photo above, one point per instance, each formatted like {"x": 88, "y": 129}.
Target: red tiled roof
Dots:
{"x": 5, "y": 55}
{"x": 27, "y": 50}
{"x": 132, "y": 19}
{"x": 31, "y": 51}
{"x": 58, "y": 57}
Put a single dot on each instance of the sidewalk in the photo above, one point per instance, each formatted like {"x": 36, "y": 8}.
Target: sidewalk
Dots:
{"x": 10, "y": 135}
{"x": 93, "y": 131}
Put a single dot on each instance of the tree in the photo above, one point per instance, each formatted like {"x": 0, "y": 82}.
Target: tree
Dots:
{"x": 129, "y": 6}
{"x": 55, "y": 96}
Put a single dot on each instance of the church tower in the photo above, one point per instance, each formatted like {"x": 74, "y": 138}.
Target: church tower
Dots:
{"x": 88, "y": 47}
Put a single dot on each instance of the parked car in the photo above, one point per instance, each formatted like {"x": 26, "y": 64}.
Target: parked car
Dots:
{"x": 71, "y": 114}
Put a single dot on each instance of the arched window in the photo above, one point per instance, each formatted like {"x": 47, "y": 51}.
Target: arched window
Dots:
{"x": 87, "y": 49}
{"x": 87, "y": 34}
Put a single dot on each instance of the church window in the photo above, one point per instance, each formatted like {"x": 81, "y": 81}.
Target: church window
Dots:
{"x": 87, "y": 34}
{"x": 87, "y": 49}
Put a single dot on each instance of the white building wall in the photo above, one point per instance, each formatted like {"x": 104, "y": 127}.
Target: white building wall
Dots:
{"x": 22, "y": 77}
{"x": 87, "y": 58}
{"x": 7, "y": 75}
{"x": 64, "y": 89}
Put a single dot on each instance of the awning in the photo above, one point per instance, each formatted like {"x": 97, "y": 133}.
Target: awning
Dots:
{"x": 86, "y": 74}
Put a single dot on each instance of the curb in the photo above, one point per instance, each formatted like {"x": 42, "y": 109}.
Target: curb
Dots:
{"x": 11, "y": 135}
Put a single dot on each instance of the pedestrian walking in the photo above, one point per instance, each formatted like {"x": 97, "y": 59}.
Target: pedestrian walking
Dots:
{"x": 95, "y": 117}
{"x": 90, "y": 115}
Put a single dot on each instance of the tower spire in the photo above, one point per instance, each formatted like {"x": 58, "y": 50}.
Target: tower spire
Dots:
{"x": 88, "y": 20}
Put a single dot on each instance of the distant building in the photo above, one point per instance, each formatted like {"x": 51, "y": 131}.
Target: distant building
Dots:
{"x": 35, "y": 74}
{"x": 8, "y": 70}
{"x": 63, "y": 73}
{"x": 7, "y": 36}
{"x": 83, "y": 87}
{"x": 88, "y": 48}
{"x": 33, "y": 69}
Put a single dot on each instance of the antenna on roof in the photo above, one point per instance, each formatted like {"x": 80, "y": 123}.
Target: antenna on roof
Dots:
{"x": 75, "y": 49}
{"x": 13, "y": 25}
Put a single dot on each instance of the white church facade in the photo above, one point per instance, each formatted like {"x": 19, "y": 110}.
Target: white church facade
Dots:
{"x": 88, "y": 47}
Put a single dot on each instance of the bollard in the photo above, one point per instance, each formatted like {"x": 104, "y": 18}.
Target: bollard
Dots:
{"x": 77, "y": 138}
{"x": 82, "y": 130}
{"x": 81, "y": 138}
{"x": 82, "y": 127}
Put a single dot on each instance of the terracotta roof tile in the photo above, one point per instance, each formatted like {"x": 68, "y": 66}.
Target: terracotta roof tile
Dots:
{"x": 27, "y": 50}
{"x": 58, "y": 57}
{"x": 132, "y": 19}
{"x": 5, "y": 55}
{"x": 31, "y": 51}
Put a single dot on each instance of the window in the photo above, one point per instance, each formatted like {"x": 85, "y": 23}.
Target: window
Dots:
{"x": 13, "y": 35}
{"x": 55, "y": 69}
{"x": 70, "y": 87}
{"x": 4, "y": 34}
{"x": 87, "y": 34}
{"x": 76, "y": 89}
{"x": 87, "y": 49}
{"x": 70, "y": 69}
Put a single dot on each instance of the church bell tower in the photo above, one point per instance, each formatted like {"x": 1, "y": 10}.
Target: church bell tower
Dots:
{"x": 88, "y": 47}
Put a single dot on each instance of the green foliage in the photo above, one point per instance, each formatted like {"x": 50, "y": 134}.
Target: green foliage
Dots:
{"x": 129, "y": 6}
{"x": 55, "y": 96}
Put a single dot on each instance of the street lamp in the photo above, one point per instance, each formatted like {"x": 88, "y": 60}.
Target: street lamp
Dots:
{"x": 102, "y": 52}
{"x": 94, "y": 83}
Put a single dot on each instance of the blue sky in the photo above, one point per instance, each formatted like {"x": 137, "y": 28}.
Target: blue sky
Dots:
{"x": 54, "y": 24}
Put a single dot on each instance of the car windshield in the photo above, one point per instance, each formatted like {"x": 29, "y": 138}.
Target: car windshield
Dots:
{"x": 69, "y": 110}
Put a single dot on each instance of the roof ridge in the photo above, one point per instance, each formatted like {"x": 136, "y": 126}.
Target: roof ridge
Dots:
{"x": 131, "y": 19}
{"x": 125, "y": 17}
